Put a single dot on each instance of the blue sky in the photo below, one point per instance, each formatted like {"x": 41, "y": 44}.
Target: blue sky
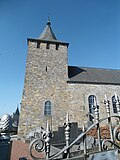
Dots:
{"x": 92, "y": 27}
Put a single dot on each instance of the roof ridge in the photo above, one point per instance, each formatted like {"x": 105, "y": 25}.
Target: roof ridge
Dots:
{"x": 95, "y": 68}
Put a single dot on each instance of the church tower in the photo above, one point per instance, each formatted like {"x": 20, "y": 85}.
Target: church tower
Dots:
{"x": 45, "y": 86}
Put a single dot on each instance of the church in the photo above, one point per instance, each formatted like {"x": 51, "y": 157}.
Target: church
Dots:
{"x": 52, "y": 88}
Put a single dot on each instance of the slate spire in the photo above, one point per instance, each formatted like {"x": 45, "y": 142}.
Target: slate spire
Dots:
{"x": 17, "y": 111}
{"x": 47, "y": 33}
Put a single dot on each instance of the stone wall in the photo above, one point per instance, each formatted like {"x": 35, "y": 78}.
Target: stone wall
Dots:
{"x": 78, "y": 99}
{"x": 46, "y": 76}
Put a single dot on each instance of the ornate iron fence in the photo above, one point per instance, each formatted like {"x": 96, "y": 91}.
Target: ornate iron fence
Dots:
{"x": 43, "y": 144}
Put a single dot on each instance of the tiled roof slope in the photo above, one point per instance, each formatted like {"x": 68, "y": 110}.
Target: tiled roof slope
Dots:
{"x": 93, "y": 75}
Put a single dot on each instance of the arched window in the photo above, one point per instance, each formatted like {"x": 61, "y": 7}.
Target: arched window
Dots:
{"x": 47, "y": 108}
{"x": 91, "y": 101}
{"x": 114, "y": 104}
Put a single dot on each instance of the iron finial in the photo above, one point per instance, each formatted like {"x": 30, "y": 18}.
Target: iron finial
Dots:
{"x": 48, "y": 22}
{"x": 107, "y": 105}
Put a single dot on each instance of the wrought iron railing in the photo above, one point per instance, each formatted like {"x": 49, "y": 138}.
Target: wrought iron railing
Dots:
{"x": 43, "y": 144}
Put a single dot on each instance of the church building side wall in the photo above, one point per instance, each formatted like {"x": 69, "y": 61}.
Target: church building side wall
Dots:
{"x": 78, "y": 100}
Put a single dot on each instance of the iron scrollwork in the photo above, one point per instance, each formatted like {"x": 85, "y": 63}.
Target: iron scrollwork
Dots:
{"x": 41, "y": 145}
{"x": 38, "y": 145}
{"x": 107, "y": 143}
{"x": 117, "y": 133}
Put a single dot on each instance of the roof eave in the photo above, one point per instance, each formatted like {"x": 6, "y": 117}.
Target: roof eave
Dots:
{"x": 99, "y": 83}
{"x": 47, "y": 41}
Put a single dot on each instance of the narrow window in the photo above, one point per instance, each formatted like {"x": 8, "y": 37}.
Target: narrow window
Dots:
{"x": 114, "y": 104}
{"x": 38, "y": 45}
{"x": 47, "y": 108}
{"x": 46, "y": 68}
{"x": 91, "y": 101}
{"x": 57, "y": 46}
{"x": 47, "y": 46}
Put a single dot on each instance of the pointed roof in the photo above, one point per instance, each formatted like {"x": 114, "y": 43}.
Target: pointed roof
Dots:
{"x": 47, "y": 36}
{"x": 17, "y": 111}
{"x": 47, "y": 33}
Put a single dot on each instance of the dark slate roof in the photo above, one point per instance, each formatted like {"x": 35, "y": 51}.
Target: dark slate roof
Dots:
{"x": 47, "y": 33}
{"x": 93, "y": 75}
{"x": 17, "y": 111}
{"x": 47, "y": 36}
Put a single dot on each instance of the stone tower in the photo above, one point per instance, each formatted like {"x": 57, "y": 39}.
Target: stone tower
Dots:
{"x": 45, "y": 88}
